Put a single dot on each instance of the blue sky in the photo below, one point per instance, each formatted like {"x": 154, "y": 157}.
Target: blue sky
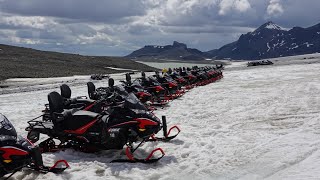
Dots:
{"x": 116, "y": 28}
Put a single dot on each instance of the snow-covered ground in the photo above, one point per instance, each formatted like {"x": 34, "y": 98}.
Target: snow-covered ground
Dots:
{"x": 255, "y": 123}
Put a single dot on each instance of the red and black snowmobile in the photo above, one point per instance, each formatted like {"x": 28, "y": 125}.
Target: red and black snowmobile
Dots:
{"x": 190, "y": 78}
{"x": 179, "y": 79}
{"x": 17, "y": 153}
{"x": 173, "y": 90}
{"x": 154, "y": 88}
{"x": 119, "y": 125}
{"x": 136, "y": 88}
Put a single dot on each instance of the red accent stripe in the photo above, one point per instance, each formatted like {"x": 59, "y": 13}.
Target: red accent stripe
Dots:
{"x": 82, "y": 129}
{"x": 29, "y": 141}
{"x": 10, "y": 150}
{"x": 129, "y": 122}
{"x": 89, "y": 107}
{"x": 144, "y": 122}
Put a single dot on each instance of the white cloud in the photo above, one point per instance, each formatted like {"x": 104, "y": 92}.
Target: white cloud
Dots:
{"x": 242, "y": 5}
{"x": 37, "y": 22}
{"x": 227, "y": 6}
{"x": 274, "y": 8}
{"x": 81, "y": 26}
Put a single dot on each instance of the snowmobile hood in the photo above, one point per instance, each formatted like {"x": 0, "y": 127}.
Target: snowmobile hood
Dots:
{"x": 7, "y": 131}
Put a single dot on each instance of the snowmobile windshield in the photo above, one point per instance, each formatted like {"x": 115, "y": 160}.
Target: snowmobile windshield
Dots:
{"x": 136, "y": 85}
{"x": 7, "y": 131}
{"x": 154, "y": 81}
{"x": 169, "y": 78}
{"x": 121, "y": 91}
{"x": 132, "y": 102}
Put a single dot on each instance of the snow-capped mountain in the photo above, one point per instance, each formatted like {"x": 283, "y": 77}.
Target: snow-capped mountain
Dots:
{"x": 267, "y": 41}
{"x": 270, "y": 25}
{"x": 177, "y": 51}
{"x": 270, "y": 41}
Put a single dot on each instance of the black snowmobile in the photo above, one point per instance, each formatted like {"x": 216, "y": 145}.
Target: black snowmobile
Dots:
{"x": 136, "y": 88}
{"x": 189, "y": 77}
{"x": 154, "y": 88}
{"x": 173, "y": 88}
{"x": 119, "y": 125}
{"x": 17, "y": 153}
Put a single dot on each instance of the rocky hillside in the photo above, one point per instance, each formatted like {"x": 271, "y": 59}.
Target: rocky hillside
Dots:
{"x": 270, "y": 41}
{"x": 26, "y": 62}
{"x": 176, "y": 51}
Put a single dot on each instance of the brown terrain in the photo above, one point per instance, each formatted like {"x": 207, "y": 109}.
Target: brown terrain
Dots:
{"x": 19, "y": 62}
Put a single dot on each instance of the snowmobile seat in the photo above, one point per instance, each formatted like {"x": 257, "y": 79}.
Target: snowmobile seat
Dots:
{"x": 91, "y": 90}
{"x": 65, "y": 91}
{"x": 55, "y": 102}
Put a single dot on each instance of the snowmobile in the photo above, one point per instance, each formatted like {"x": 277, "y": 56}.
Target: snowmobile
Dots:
{"x": 178, "y": 78}
{"x": 119, "y": 125}
{"x": 173, "y": 89}
{"x": 168, "y": 83}
{"x": 201, "y": 75}
{"x": 136, "y": 88}
{"x": 154, "y": 88}
{"x": 190, "y": 78}
{"x": 17, "y": 153}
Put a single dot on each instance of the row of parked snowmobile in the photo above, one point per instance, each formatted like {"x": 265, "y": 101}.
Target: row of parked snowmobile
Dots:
{"x": 110, "y": 117}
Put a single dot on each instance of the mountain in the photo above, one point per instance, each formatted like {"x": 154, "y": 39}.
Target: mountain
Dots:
{"x": 25, "y": 62}
{"x": 176, "y": 51}
{"x": 271, "y": 41}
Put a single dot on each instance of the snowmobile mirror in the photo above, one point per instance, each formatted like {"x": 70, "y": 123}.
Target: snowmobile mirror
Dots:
{"x": 33, "y": 136}
{"x": 111, "y": 82}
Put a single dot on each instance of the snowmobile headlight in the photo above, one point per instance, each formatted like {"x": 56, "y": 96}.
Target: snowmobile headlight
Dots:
{"x": 142, "y": 129}
{"x": 7, "y": 161}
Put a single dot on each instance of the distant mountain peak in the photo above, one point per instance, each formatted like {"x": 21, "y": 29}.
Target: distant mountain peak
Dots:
{"x": 178, "y": 44}
{"x": 177, "y": 51}
{"x": 271, "y": 40}
{"x": 270, "y": 25}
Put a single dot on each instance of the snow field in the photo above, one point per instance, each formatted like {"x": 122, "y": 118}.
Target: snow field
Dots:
{"x": 255, "y": 123}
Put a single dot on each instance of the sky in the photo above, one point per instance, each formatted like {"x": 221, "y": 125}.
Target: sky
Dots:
{"x": 118, "y": 27}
